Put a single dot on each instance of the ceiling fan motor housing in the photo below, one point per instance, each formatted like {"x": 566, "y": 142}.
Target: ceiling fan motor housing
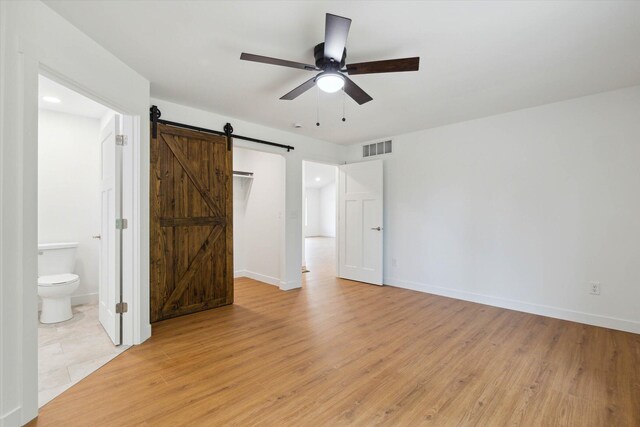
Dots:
{"x": 326, "y": 64}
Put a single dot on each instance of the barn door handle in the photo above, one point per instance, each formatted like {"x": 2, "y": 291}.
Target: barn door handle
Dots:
{"x": 376, "y": 228}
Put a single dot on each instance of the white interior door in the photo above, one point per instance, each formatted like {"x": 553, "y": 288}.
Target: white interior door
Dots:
{"x": 360, "y": 222}
{"x": 110, "y": 286}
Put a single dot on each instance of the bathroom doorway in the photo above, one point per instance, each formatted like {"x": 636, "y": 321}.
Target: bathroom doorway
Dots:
{"x": 319, "y": 221}
{"x": 81, "y": 189}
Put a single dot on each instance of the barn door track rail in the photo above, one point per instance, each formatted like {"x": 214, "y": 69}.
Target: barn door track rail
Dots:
{"x": 155, "y": 114}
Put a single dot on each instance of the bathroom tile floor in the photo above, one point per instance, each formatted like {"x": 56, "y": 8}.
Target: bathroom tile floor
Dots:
{"x": 69, "y": 351}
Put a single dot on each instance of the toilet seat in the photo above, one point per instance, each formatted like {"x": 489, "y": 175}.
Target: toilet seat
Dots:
{"x": 57, "y": 279}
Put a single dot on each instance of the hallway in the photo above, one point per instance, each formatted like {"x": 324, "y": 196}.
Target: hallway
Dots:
{"x": 320, "y": 259}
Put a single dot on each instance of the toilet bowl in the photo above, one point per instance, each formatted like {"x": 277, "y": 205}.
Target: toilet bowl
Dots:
{"x": 56, "y": 281}
{"x": 55, "y": 291}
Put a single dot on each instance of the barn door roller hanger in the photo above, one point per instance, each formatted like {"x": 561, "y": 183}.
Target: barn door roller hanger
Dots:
{"x": 155, "y": 115}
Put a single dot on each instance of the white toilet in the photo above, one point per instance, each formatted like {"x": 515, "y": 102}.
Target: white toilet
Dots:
{"x": 56, "y": 281}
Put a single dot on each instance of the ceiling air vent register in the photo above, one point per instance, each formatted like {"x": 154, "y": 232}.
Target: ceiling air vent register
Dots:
{"x": 376, "y": 149}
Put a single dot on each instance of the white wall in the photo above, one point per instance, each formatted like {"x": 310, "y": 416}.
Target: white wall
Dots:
{"x": 258, "y": 217}
{"x": 523, "y": 209}
{"x": 34, "y": 39}
{"x": 321, "y": 214}
{"x": 303, "y": 257}
{"x": 312, "y": 225}
{"x": 241, "y": 189}
{"x": 328, "y": 210}
{"x": 68, "y": 191}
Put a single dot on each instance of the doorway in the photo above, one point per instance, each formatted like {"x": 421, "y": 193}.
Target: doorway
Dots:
{"x": 79, "y": 258}
{"x": 319, "y": 220}
{"x": 258, "y": 215}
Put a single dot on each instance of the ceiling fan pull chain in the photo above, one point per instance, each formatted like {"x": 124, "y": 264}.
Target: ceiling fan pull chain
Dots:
{"x": 344, "y": 119}
{"x": 317, "y": 106}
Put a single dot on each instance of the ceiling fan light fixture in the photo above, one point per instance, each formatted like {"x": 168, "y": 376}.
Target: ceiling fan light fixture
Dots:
{"x": 330, "y": 82}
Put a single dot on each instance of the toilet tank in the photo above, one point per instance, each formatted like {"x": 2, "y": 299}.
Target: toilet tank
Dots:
{"x": 56, "y": 258}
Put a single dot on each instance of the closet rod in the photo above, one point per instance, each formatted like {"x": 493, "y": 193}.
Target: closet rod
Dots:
{"x": 155, "y": 114}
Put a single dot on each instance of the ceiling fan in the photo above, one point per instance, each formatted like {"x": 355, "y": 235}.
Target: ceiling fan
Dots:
{"x": 330, "y": 58}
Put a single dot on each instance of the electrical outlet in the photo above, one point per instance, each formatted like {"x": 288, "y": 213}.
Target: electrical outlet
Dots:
{"x": 394, "y": 262}
{"x": 594, "y": 288}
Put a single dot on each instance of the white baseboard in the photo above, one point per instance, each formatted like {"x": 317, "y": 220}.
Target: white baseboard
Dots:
{"x": 261, "y": 278}
{"x": 84, "y": 299}
{"x": 288, "y": 286}
{"x": 542, "y": 310}
{"x": 284, "y": 286}
{"x": 11, "y": 418}
{"x": 77, "y": 300}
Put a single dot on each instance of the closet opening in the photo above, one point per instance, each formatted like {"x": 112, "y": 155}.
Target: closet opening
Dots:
{"x": 258, "y": 215}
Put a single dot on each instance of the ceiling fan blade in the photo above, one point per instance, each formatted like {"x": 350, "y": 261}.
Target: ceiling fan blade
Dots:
{"x": 276, "y": 61}
{"x": 355, "y": 92}
{"x": 387, "y": 66}
{"x": 336, "y": 30}
{"x": 300, "y": 89}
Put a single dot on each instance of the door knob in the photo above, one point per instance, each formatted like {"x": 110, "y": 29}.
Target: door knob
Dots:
{"x": 96, "y": 237}
{"x": 376, "y": 228}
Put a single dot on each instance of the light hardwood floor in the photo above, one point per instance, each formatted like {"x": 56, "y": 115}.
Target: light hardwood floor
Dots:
{"x": 339, "y": 352}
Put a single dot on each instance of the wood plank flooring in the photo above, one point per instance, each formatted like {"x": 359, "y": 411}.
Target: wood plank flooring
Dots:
{"x": 345, "y": 353}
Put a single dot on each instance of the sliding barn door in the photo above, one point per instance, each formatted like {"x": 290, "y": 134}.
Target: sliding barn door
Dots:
{"x": 191, "y": 222}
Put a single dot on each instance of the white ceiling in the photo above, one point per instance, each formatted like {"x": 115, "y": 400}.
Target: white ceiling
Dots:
{"x": 477, "y": 58}
{"x": 317, "y": 175}
{"x": 70, "y": 102}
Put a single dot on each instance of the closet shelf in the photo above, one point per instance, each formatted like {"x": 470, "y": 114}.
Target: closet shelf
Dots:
{"x": 240, "y": 174}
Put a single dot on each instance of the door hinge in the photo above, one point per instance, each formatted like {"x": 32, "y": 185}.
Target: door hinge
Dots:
{"x": 121, "y": 224}
{"x": 121, "y": 139}
{"x": 121, "y": 307}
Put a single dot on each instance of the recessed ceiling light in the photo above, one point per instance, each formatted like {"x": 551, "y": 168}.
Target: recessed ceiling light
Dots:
{"x": 317, "y": 179}
{"x": 51, "y": 99}
{"x": 297, "y": 125}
